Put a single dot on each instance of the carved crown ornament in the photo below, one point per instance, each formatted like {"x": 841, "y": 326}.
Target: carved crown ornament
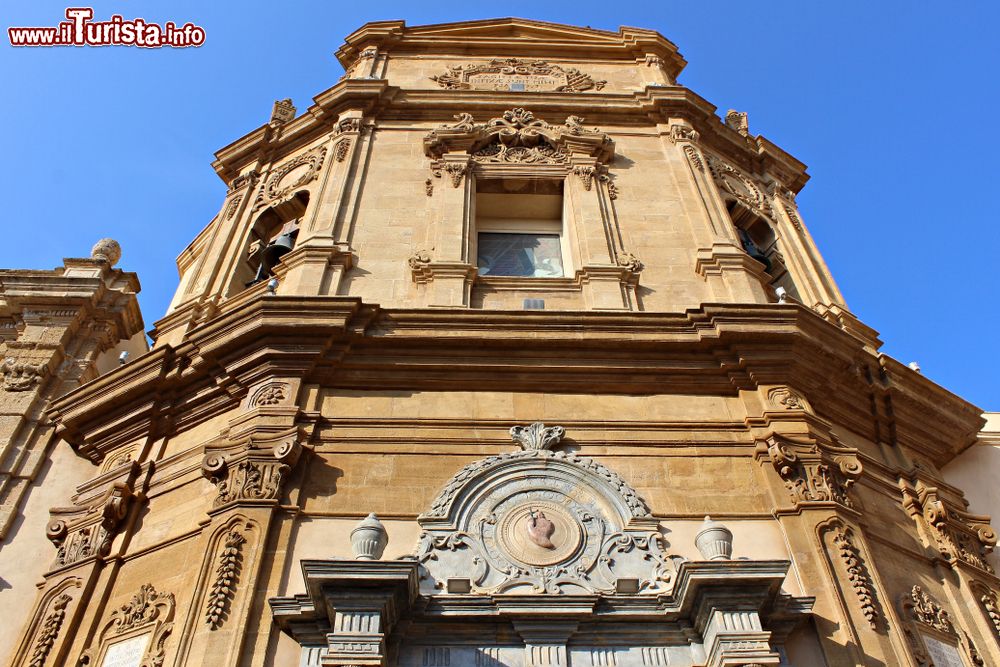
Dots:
{"x": 255, "y": 471}
{"x": 512, "y": 74}
{"x": 958, "y": 536}
{"x": 541, "y": 521}
{"x": 934, "y": 637}
{"x": 146, "y": 620}
{"x": 517, "y": 136}
{"x": 810, "y": 472}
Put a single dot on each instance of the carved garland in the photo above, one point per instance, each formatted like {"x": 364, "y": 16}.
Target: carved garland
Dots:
{"x": 493, "y": 73}
{"x": 226, "y": 577}
{"x": 857, "y": 574}
{"x": 50, "y": 631}
{"x": 274, "y": 192}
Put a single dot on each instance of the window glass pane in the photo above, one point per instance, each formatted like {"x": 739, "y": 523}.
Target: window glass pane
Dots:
{"x": 535, "y": 255}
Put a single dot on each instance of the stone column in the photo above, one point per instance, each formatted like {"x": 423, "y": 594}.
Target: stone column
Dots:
{"x": 735, "y": 638}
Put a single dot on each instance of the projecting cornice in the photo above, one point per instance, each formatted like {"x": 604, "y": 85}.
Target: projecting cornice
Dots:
{"x": 718, "y": 349}
{"x": 654, "y": 106}
{"x": 502, "y": 37}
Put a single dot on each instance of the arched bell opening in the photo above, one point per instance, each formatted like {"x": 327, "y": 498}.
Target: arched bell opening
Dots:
{"x": 759, "y": 240}
{"x": 272, "y": 236}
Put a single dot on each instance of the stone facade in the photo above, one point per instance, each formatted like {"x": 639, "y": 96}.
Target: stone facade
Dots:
{"x": 358, "y": 442}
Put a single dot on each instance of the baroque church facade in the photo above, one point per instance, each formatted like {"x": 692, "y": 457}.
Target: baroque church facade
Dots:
{"x": 508, "y": 350}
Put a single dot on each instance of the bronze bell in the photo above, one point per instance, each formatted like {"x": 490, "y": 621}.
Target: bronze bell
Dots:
{"x": 272, "y": 254}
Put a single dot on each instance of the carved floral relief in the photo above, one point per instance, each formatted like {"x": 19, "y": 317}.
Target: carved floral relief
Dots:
{"x": 514, "y": 74}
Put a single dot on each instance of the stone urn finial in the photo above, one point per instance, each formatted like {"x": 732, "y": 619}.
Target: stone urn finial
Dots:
{"x": 106, "y": 251}
{"x": 714, "y": 541}
{"x": 368, "y": 539}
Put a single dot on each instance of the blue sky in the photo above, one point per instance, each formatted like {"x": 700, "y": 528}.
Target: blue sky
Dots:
{"x": 891, "y": 104}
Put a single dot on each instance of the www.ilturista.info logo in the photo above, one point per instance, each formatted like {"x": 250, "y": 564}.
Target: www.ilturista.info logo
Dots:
{"x": 80, "y": 30}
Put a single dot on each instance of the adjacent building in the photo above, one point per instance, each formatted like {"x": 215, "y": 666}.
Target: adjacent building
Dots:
{"x": 507, "y": 350}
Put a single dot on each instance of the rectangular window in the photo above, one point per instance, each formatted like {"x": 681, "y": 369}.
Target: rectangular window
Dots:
{"x": 519, "y": 228}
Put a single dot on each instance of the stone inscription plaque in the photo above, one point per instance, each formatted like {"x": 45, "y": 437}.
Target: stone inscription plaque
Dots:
{"x": 942, "y": 653}
{"x": 126, "y": 653}
{"x": 525, "y": 82}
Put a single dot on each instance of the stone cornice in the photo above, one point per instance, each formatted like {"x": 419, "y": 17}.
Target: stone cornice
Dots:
{"x": 511, "y": 37}
{"x": 342, "y": 342}
{"x": 651, "y": 106}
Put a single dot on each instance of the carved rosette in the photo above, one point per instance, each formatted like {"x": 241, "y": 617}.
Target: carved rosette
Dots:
{"x": 227, "y": 575}
{"x": 499, "y": 74}
{"x": 960, "y": 537}
{"x": 271, "y": 394}
{"x": 785, "y": 398}
{"x": 254, "y": 472}
{"x": 811, "y": 473}
{"x": 302, "y": 169}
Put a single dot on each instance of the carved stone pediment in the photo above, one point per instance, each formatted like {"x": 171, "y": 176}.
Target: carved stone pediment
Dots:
{"x": 541, "y": 521}
{"x": 517, "y": 136}
{"x": 516, "y": 74}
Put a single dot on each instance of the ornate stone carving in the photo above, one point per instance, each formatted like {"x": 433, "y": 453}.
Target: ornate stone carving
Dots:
{"x": 739, "y": 121}
{"x": 226, "y": 577}
{"x": 89, "y": 530}
{"x": 419, "y": 260}
{"x": 960, "y": 537}
{"x": 609, "y": 182}
{"x": 49, "y": 631}
{"x": 785, "y": 398}
{"x": 653, "y": 60}
{"x": 148, "y": 611}
{"x": 537, "y": 436}
{"x": 920, "y": 608}
{"x": 989, "y": 604}
{"x": 341, "y": 148}
{"x": 738, "y": 186}
{"x": 279, "y": 188}
{"x": 282, "y": 112}
{"x": 793, "y": 217}
{"x": 586, "y": 175}
{"x": 680, "y": 133}
{"x": 857, "y": 573}
{"x": 503, "y": 525}
{"x": 106, "y": 251}
{"x": 629, "y": 261}
{"x": 694, "y": 157}
{"x": 518, "y": 137}
{"x": 541, "y": 154}
{"x": 429, "y": 187}
{"x": 272, "y": 393}
{"x": 21, "y": 375}
{"x": 233, "y": 206}
{"x": 254, "y": 474}
{"x": 501, "y": 74}
{"x": 247, "y": 180}
{"x": 811, "y": 474}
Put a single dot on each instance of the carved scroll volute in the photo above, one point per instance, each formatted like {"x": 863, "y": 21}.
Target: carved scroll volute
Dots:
{"x": 253, "y": 473}
{"x": 960, "y": 537}
{"x": 811, "y": 473}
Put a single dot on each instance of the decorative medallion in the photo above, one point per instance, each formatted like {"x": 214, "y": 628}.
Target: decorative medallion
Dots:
{"x": 512, "y": 74}
{"x": 539, "y": 533}
{"x": 291, "y": 176}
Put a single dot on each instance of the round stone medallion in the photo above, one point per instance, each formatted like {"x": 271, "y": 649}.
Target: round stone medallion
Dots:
{"x": 539, "y": 533}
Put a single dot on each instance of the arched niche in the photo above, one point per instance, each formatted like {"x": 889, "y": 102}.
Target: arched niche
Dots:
{"x": 273, "y": 234}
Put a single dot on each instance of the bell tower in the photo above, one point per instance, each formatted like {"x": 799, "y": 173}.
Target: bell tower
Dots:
{"x": 509, "y": 349}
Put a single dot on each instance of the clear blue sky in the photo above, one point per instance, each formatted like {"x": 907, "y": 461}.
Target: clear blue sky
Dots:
{"x": 892, "y": 104}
